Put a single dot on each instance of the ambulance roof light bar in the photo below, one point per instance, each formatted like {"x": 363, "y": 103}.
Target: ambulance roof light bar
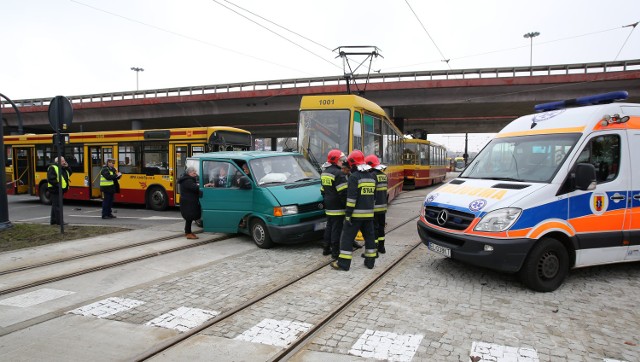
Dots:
{"x": 583, "y": 101}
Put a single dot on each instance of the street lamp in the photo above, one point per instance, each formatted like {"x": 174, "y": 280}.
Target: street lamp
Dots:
{"x": 531, "y": 35}
{"x": 137, "y": 70}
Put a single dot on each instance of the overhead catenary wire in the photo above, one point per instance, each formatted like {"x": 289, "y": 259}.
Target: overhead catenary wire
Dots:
{"x": 633, "y": 27}
{"x": 443, "y": 59}
{"x": 188, "y": 37}
{"x": 277, "y": 34}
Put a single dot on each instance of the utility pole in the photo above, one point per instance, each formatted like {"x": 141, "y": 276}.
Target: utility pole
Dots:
{"x": 137, "y": 70}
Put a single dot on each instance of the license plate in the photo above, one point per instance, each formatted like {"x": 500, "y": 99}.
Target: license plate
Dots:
{"x": 320, "y": 226}
{"x": 440, "y": 249}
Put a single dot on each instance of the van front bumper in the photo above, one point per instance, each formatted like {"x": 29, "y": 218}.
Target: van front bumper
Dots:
{"x": 297, "y": 233}
{"x": 507, "y": 255}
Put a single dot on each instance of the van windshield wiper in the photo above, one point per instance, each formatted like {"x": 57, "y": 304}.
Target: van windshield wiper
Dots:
{"x": 271, "y": 183}
{"x": 304, "y": 179}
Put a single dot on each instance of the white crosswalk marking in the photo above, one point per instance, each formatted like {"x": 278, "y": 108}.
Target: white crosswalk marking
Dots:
{"x": 499, "y": 353}
{"x": 35, "y": 297}
{"x": 386, "y": 345}
{"x": 274, "y": 332}
{"x": 107, "y": 307}
{"x": 183, "y": 318}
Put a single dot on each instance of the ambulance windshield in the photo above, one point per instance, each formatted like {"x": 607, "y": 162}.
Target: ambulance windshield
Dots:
{"x": 534, "y": 158}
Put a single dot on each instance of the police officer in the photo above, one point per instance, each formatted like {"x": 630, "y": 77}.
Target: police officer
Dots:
{"x": 109, "y": 185}
{"x": 358, "y": 214}
{"x": 53, "y": 175}
{"x": 380, "y": 207}
{"x": 334, "y": 192}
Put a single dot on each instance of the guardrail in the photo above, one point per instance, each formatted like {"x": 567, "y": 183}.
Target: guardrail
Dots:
{"x": 504, "y": 72}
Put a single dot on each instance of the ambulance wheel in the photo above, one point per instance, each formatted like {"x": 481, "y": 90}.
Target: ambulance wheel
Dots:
{"x": 260, "y": 234}
{"x": 546, "y": 266}
{"x": 44, "y": 194}
{"x": 157, "y": 199}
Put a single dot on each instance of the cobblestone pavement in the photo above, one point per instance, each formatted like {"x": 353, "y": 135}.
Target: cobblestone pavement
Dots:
{"x": 428, "y": 309}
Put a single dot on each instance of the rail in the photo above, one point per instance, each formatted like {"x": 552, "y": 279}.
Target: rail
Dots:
{"x": 448, "y": 74}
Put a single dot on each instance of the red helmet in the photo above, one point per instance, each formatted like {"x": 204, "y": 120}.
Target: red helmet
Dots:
{"x": 372, "y": 160}
{"x": 334, "y": 156}
{"x": 355, "y": 158}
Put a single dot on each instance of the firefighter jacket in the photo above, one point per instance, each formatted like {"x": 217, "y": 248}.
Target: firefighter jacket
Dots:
{"x": 381, "y": 190}
{"x": 360, "y": 195}
{"x": 52, "y": 178}
{"x": 333, "y": 190}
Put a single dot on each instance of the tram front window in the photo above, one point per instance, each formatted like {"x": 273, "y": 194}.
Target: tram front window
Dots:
{"x": 320, "y": 131}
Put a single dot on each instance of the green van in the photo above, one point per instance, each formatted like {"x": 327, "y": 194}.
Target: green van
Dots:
{"x": 272, "y": 196}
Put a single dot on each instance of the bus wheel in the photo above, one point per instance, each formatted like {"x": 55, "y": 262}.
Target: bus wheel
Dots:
{"x": 157, "y": 199}
{"x": 260, "y": 234}
{"x": 45, "y": 195}
{"x": 546, "y": 266}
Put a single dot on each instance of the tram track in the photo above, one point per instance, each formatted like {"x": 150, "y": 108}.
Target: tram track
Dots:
{"x": 100, "y": 267}
{"x": 306, "y": 337}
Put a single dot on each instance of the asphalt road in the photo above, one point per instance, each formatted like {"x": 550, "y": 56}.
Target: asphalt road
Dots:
{"x": 26, "y": 208}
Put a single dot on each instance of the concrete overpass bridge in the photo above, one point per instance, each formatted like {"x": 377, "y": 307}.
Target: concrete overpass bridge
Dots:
{"x": 444, "y": 101}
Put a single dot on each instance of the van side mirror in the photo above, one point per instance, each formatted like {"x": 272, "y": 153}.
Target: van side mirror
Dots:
{"x": 585, "y": 177}
{"x": 244, "y": 183}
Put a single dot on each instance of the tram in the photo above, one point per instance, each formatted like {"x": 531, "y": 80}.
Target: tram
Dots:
{"x": 425, "y": 163}
{"x": 349, "y": 122}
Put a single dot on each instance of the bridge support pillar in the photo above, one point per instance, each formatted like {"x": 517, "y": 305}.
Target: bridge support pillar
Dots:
{"x": 136, "y": 124}
{"x": 274, "y": 144}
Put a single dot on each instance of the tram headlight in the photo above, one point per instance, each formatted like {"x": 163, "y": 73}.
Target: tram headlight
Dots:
{"x": 499, "y": 220}
{"x": 285, "y": 210}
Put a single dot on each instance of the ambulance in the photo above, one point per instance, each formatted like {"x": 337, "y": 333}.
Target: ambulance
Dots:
{"x": 554, "y": 190}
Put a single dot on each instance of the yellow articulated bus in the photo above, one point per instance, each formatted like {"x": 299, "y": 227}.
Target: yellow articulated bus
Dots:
{"x": 347, "y": 123}
{"x": 150, "y": 161}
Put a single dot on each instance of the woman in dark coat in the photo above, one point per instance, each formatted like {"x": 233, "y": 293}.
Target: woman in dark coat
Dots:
{"x": 189, "y": 200}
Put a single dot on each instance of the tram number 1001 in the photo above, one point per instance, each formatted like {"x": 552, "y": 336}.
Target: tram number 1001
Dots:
{"x": 326, "y": 102}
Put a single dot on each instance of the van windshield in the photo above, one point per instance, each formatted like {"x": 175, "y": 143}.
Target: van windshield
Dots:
{"x": 534, "y": 158}
{"x": 282, "y": 170}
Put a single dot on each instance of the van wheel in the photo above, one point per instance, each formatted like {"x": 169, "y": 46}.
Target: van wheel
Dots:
{"x": 157, "y": 199}
{"x": 546, "y": 266}
{"x": 44, "y": 194}
{"x": 260, "y": 234}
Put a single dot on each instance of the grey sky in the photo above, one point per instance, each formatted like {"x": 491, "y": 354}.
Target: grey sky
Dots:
{"x": 73, "y": 47}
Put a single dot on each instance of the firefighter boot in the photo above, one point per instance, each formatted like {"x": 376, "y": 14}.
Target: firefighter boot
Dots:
{"x": 369, "y": 262}
{"x": 381, "y": 248}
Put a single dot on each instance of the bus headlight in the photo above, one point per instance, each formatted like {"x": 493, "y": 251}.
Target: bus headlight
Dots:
{"x": 499, "y": 220}
{"x": 285, "y": 210}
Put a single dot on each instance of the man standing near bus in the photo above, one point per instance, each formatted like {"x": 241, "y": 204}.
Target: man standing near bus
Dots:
{"x": 109, "y": 186}
{"x": 334, "y": 192}
{"x": 53, "y": 175}
{"x": 358, "y": 214}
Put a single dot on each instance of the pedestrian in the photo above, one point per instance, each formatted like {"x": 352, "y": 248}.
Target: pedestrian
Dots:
{"x": 109, "y": 186}
{"x": 380, "y": 207}
{"x": 358, "y": 213}
{"x": 333, "y": 189}
{"x": 190, "y": 200}
{"x": 53, "y": 175}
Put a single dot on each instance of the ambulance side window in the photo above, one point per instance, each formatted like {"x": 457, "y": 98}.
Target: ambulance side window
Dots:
{"x": 603, "y": 152}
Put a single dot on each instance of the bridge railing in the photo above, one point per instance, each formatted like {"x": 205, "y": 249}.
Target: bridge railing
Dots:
{"x": 449, "y": 74}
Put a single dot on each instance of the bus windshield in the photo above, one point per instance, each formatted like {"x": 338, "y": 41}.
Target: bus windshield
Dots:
{"x": 534, "y": 158}
{"x": 321, "y": 131}
{"x": 282, "y": 170}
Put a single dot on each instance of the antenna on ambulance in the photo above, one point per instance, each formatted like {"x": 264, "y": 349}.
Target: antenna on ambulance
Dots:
{"x": 361, "y": 53}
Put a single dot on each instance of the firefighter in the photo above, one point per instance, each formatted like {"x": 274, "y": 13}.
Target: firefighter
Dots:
{"x": 380, "y": 207}
{"x": 334, "y": 191}
{"x": 358, "y": 214}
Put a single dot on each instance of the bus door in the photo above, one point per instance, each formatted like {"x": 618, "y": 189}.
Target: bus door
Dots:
{"x": 23, "y": 170}
{"x": 181, "y": 153}
{"x": 99, "y": 155}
